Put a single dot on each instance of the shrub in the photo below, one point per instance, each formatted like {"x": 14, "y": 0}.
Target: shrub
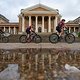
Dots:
{"x": 79, "y": 34}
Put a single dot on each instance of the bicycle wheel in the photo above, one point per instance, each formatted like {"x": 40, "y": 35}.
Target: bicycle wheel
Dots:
{"x": 23, "y": 38}
{"x": 5, "y": 39}
{"x": 53, "y": 38}
{"x": 37, "y": 39}
{"x": 69, "y": 38}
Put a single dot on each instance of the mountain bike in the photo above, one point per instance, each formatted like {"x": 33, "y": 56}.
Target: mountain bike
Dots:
{"x": 32, "y": 37}
{"x": 68, "y": 37}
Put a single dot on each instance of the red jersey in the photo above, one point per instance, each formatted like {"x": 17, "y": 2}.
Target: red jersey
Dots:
{"x": 61, "y": 24}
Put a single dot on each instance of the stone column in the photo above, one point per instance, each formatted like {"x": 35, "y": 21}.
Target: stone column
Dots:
{"x": 43, "y": 66}
{"x": 14, "y": 30}
{"x": 9, "y": 57}
{"x": 69, "y": 29}
{"x": 4, "y": 29}
{"x": 55, "y": 23}
{"x": 23, "y": 67}
{"x": 36, "y": 30}
{"x": 36, "y": 62}
{"x": 42, "y": 23}
{"x": 49, "y": 24}
{"x": 49, "y": 56}
{"x": 23, "y": 24}
{"x": 14, "y": 56}
{"x": 3, "y": 58}
{"x": 29, "y": 63}
{"x": 9, "y": 29}
{"x": 29, "y": 20}
{"x": 74, "y": 29}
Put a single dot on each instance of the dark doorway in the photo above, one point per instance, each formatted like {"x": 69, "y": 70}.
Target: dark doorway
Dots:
{"x": 39, "y": 29}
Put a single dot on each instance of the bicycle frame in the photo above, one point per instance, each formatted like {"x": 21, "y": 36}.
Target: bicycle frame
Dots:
{"x": 66, "y": 31}
{"x": 32, "y": 35}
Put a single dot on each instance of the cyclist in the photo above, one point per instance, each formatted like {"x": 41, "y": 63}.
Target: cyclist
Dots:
{"x": 60, "y": 27}
{"x": 28, "y": 31}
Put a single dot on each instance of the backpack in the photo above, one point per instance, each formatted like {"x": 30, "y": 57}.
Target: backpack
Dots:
{"x": 58, "y": 27}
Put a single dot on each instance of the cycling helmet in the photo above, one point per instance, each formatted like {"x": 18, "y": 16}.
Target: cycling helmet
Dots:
{"x": 63, "y": 19}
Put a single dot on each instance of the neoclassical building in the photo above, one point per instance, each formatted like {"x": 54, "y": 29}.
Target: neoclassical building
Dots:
{"x": 10, "y": 27}
{"x": 42, "y": 18}
{"x": 74, "y": 25}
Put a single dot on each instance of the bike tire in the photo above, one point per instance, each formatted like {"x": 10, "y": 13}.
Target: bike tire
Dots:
{"x": 5, "y": 39}
{"x": 37, "y": 39}
{"x": 70, "y": 38}
{"x": 23, "y": 39}
{"x": 54, "y": 38}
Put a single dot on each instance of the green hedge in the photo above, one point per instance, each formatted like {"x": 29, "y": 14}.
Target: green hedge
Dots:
{"x": 79, "y": 34}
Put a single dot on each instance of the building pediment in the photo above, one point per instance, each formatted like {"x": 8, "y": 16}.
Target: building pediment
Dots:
{"x": 39, "y": 8}
{"x": 3, "y": 19}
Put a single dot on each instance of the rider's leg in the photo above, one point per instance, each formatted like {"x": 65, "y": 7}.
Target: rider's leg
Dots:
{"x": 62, "y": 32}
{"x": 27, "y": 36}
{"x": 58, "y": 31}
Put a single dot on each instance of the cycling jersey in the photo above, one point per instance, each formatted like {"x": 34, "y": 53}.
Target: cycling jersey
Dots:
{"x": 28, "y": 30}
{"x": 61, "y": 24}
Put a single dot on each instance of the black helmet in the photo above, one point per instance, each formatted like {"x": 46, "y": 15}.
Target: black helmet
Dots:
{"x": 63, "y": 19}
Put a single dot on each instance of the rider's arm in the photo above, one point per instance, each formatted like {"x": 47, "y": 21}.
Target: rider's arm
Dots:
{"x": 65, "y": 26}
{"x": 32, "y": 29}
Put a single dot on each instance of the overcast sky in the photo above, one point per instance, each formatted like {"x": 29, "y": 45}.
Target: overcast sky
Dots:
{"x": 69, "y": 9}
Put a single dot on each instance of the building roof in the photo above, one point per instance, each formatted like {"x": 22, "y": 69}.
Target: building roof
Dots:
{"x": 10, "y": 24}
{"x": 71, "y": 22}
{"x": 47, "y": 9}
{"x": 4, "y": 18}
{"x": 40, "y": 5}
{"x": 75, "y": 21}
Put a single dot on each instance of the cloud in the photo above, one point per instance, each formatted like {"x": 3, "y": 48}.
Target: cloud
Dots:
{"x": 69, "y": 9}
{"x": 11, "y": 8}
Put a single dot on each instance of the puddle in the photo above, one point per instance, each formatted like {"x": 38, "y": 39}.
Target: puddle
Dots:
{"x": 38, "y": 64}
